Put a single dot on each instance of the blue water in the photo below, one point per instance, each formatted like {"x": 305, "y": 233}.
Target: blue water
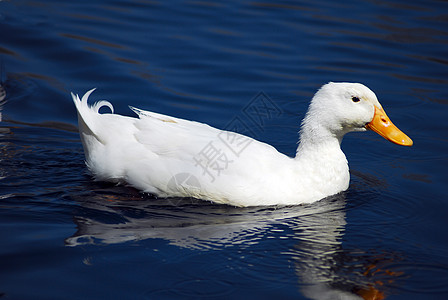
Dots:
{"x": 64, "y": 236}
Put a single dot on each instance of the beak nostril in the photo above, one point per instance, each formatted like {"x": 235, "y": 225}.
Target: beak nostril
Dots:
{"x": 383, "y": 120}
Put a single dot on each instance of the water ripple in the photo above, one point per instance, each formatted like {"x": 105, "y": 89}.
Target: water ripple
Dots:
{"x": 205, "y": 60}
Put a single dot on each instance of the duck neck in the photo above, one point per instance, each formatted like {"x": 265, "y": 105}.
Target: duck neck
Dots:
{"x": 319, "y": 149}
{"x": 319, "y": 155}
{"x": 314, "y": 138}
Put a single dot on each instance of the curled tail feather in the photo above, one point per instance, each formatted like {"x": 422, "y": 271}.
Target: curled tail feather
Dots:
{"x": 87, "y": 114}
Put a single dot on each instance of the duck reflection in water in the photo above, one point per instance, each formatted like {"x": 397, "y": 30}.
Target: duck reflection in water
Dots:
{"x": 324, "y": 268}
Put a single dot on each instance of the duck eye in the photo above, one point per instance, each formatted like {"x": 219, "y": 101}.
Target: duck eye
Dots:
{"x": 355, "y": 99}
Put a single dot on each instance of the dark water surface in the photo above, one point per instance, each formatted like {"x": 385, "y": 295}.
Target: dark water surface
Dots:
{"x": 64, "y": 236}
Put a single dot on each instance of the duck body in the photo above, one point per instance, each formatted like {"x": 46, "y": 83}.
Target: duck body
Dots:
{"x": 172, "y": 157}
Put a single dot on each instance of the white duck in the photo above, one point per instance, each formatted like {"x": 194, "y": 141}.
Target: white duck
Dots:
{"x": 171, "y": 157}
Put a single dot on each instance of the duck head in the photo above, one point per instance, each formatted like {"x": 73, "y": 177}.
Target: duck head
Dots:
{"x": 339, "y": 108}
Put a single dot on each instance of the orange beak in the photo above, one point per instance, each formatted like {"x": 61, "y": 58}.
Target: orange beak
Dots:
{"x": 382, "y": 125}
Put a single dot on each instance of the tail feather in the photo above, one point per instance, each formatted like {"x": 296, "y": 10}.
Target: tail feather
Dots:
{"x": 88, "y": 114}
